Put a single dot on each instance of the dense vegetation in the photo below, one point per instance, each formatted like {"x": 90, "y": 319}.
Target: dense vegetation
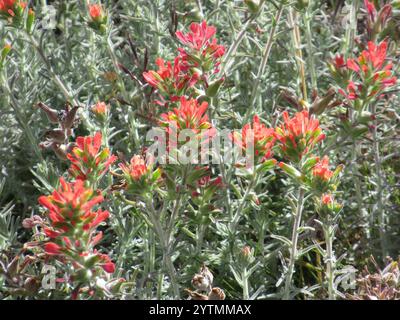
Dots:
{"x": 304, "y": 92}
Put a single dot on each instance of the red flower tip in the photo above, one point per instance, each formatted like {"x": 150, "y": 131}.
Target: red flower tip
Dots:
{"x": 52, "y": 248}
{"x": 95, "y": 11}
{"x": 327, "y": 199}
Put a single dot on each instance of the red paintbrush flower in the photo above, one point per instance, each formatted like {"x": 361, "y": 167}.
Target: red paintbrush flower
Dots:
{"x": 370, "y": 9}
{"x": 89, "y": 160}
{"x": 136, "y": 168}
{"x": 189, "y": 115}
{"x": 9, "y": 7}
{"x": 258, "y": 136}
{"x": 170, "y": 79}
{"x": 73, "y": 224}
{"x": 327, "y": 199}
{"x": 98, "y": 18}
{"x": 52, "y": 248}
{"x": 95, "y": 11}
{"x": 70, "y": 205}
{"x": 200, "y": 38}
{"x": 321, "y": 169}
{"x": 372, "y": 71}
{"x": 203, "y": 50}
{"x": 106, "y": 263}
{"x": 298, "y": 135}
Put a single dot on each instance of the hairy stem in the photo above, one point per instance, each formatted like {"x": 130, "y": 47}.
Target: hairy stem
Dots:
{"x": 238, "y": 213}
{"x": 379, "y": 186}
{"x": 295, "y": 236}
{"x": 165, "y": 246}
{"x": 245, "y": 281}
{"x": 264, "y": 61}
{"x": 298, "y": 53}
{"x": 330, "y": 261}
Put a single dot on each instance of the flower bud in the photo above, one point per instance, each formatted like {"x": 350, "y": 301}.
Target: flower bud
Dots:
{"x": 253, "y": 5}
{"x": 30, "y": 21}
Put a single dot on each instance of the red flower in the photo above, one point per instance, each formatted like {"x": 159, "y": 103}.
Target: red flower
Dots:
{"x": 339, "y": 61}
{"x": 199, "y": 36}
{"x": 52, "y": 248}
{"x": 70, "y": 205}
{"x": 203, "y": 48}
{"x": 375, "y": 56}
{"x": 95, "y": 11}
{"x": 70, "y": 209}
{"x": 352, "y": 91}
{"x": 189, "y": 115}
{"x": 171, "y": 80}
{"x": 100, "y": 108}
{"x": 200, "y": 39}
{"x": 259, "y": 135}
{"x": 370, "y": 9}
{"x": 8, "y": 7}
{"x": 136, "y": 168}
{"x": 73, "y": 225}
{"x": 352, "y": 65}
{"x": 298, "y": 135}
{"x": 321, "y": 169}
{"x": 107, "y": 264}
{"x": 89, "y": 161}
{"x": 327, "y": 199}
{"x": 373, "y": 73}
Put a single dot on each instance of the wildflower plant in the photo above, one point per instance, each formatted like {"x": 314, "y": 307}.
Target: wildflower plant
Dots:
{"x": 198, "y": 150}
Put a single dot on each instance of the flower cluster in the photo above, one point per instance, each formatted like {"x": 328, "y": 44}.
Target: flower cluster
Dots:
{"x": 89, "y": 161}
{"x": 195, "y": 64}
{"x": 256, "y": 135}
{"x": 172, "y": 80}
{"x": 203, "y": 50}
{"x": 367, "y": 76}
{"x": 101, "y": 111}
{"x": 13, "y": 12}
{"x": 189, "y": 115}
{"x": 328, "y": 205}
{"x": 322, "y": 178}
{"x": 73, "y": 224}
{"x": 139, "y": 176}
{"x": 74, "y": 213}
{"x": 12, "y": 8}
{"x": 297, "y": 136}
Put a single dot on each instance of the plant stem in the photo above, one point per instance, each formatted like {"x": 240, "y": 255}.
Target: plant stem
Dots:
{"x": 329, "y": 260}
{"x": 295, "y": 236}
{"x": 379, "y": 188}
{"x": 226, "y": 64}
{"x": 357, "y": 183}
{"x": 236, "y": 217}
{"x": 352, "y": 29}
{"x": 264, "y": 61}
{"x": 298, "y": 53}
{"x": 310, "y": 50}
{"x": 165, "y": 246}
{"x": 245, "y": 284}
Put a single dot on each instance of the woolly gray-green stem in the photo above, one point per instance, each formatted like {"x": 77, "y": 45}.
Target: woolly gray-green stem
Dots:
{"x": 295, "y": 237}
